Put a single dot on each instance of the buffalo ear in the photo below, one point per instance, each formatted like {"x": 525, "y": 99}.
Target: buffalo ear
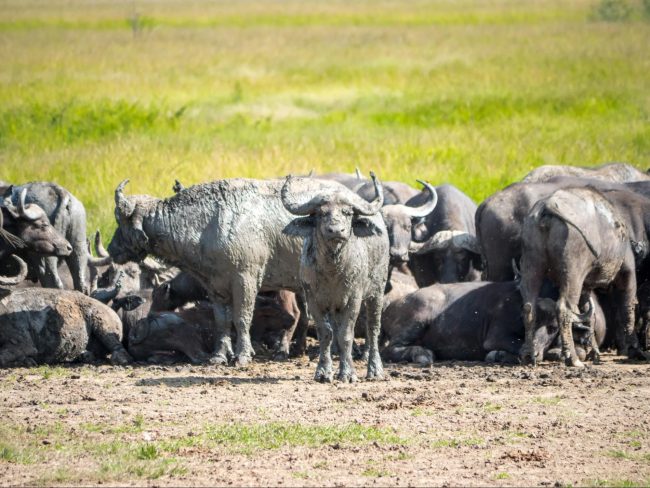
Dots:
{"x": 365, "y": 227}
{"x": 301, "y": 227}
{"x": 128, "y": 303}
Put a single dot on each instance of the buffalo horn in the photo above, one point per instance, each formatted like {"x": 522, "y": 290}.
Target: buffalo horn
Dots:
{"x": 362, "y": 207}
{"x": 123, "y": 205}
{"x": 14, "y": 280}
{"x": 293, "y": 206}
{"x": 31, "y": 211}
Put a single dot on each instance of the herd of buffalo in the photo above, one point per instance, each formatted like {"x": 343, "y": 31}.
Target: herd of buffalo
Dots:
{"x": 553, "y": 267}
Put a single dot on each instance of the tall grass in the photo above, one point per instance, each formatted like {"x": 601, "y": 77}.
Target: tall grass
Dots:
{"x": 475, "y": 93}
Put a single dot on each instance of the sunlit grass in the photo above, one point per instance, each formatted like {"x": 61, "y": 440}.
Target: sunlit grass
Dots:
{"x": 473, "y": 93}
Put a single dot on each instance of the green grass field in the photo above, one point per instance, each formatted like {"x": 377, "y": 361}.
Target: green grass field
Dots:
{"x": 475, "y": 93}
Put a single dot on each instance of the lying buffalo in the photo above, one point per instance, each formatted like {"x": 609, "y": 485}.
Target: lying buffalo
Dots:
{"x": 45, "y": 326}
{"x": 344, "y": 265}
{"x": 444, "y": 248}
{"x": 612, "y": 172}
{"x": 469, "y": 321}
{"x": 191, "y": 332}
{"x": 68, "y": 216}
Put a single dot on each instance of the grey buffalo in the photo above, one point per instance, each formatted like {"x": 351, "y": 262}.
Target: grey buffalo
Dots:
{"x": 445, "y": 248}
{"x": 228, "y": 235}
{"x": 613, "y": 172}
{"x": 478, "y": 321}
{"x": 344, "y": 264}
{"x": 579, "y": 241}
{"x": 48, "y": 326}
{"x": 68, "y": 216}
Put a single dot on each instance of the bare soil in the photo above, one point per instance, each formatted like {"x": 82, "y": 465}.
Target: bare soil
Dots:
{"x": 455, "y": 423}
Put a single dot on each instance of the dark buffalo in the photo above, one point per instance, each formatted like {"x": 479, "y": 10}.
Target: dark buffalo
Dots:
{"x": 25, "y": 227}
{"x": 344, "y": 264}
{"x": 445, "y": 248}
{"x": 477, "y": 321}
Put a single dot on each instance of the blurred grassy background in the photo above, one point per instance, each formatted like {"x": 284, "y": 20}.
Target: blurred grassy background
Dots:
{"x": 475, "y": 93}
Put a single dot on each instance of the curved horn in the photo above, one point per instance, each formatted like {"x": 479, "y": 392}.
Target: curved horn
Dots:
{"x": 294, "y": 206}
{"x": 440, "y": 240}
{"x": 468, "y": 242}
{"x": 125, "y": 207}
{"x": 31, "y": 211}
{"x": 104, "y": 259}
{"x": 363, "y": 207}
{"x": 99, "y": 246}
{"x": 427, "y": 207}
{"x": 14, "y": 280}
{"x": 586, "y": 315}
{"x": 358, "y": 173}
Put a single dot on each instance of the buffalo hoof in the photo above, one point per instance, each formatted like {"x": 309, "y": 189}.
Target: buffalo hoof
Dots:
{"x": 323, "y": 376}
{"x": 574, "y": 363}
{"x": 636, "y": 353}
{"x": 346, "y": 377}
{"x": 280, "y": 356}
{"x": 242, "y": 361}
{"x": 120, "y": 358}
{"x": 375, "y": 372}
{"x": 218, "y": 360}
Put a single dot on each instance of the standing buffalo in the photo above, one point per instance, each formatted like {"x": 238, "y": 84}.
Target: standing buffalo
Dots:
{"x": 51, "y": 326}
{"x": 344, "y": 264}
{"x": 68, "y": 216}
{"x": 228, "y": 235}
{"x": 579, "y": 241}
{"x": 445, "y": 249}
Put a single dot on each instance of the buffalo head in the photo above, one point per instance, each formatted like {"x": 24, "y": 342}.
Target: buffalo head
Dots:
{"x": 28, "y": 227}
{"x": 542, "y": 316}
{"x": 333, "y": 213}
{"x": 399, "y": 220}
{"x": 130, "y": 242}
{"x": 451, "y": 256}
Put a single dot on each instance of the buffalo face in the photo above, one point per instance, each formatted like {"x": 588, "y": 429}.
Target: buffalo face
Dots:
{"x": 31, "y": 226}
{"x": 333, "y": 214}
{"x": 130, "y": 242}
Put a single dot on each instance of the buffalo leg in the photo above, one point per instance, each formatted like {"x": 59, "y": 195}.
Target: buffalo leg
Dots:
{"x": 243, "y": 304}
{"x": 107, "y": 329}
{"x": 373, "y": 329}
{"x": 531, "y": 285}
{"x": 77, "y": 263}
{"x": 565, "y": 321}
{"x": 324, "y": 368}
{"x": 282, "y": 352}
{"x": 343, "y": 324}
{"x": 223, "y": 324}
{"x": 625, "y": 287}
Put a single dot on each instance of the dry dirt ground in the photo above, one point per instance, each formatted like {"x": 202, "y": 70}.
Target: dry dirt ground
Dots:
{"x": 455, "y": 423}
